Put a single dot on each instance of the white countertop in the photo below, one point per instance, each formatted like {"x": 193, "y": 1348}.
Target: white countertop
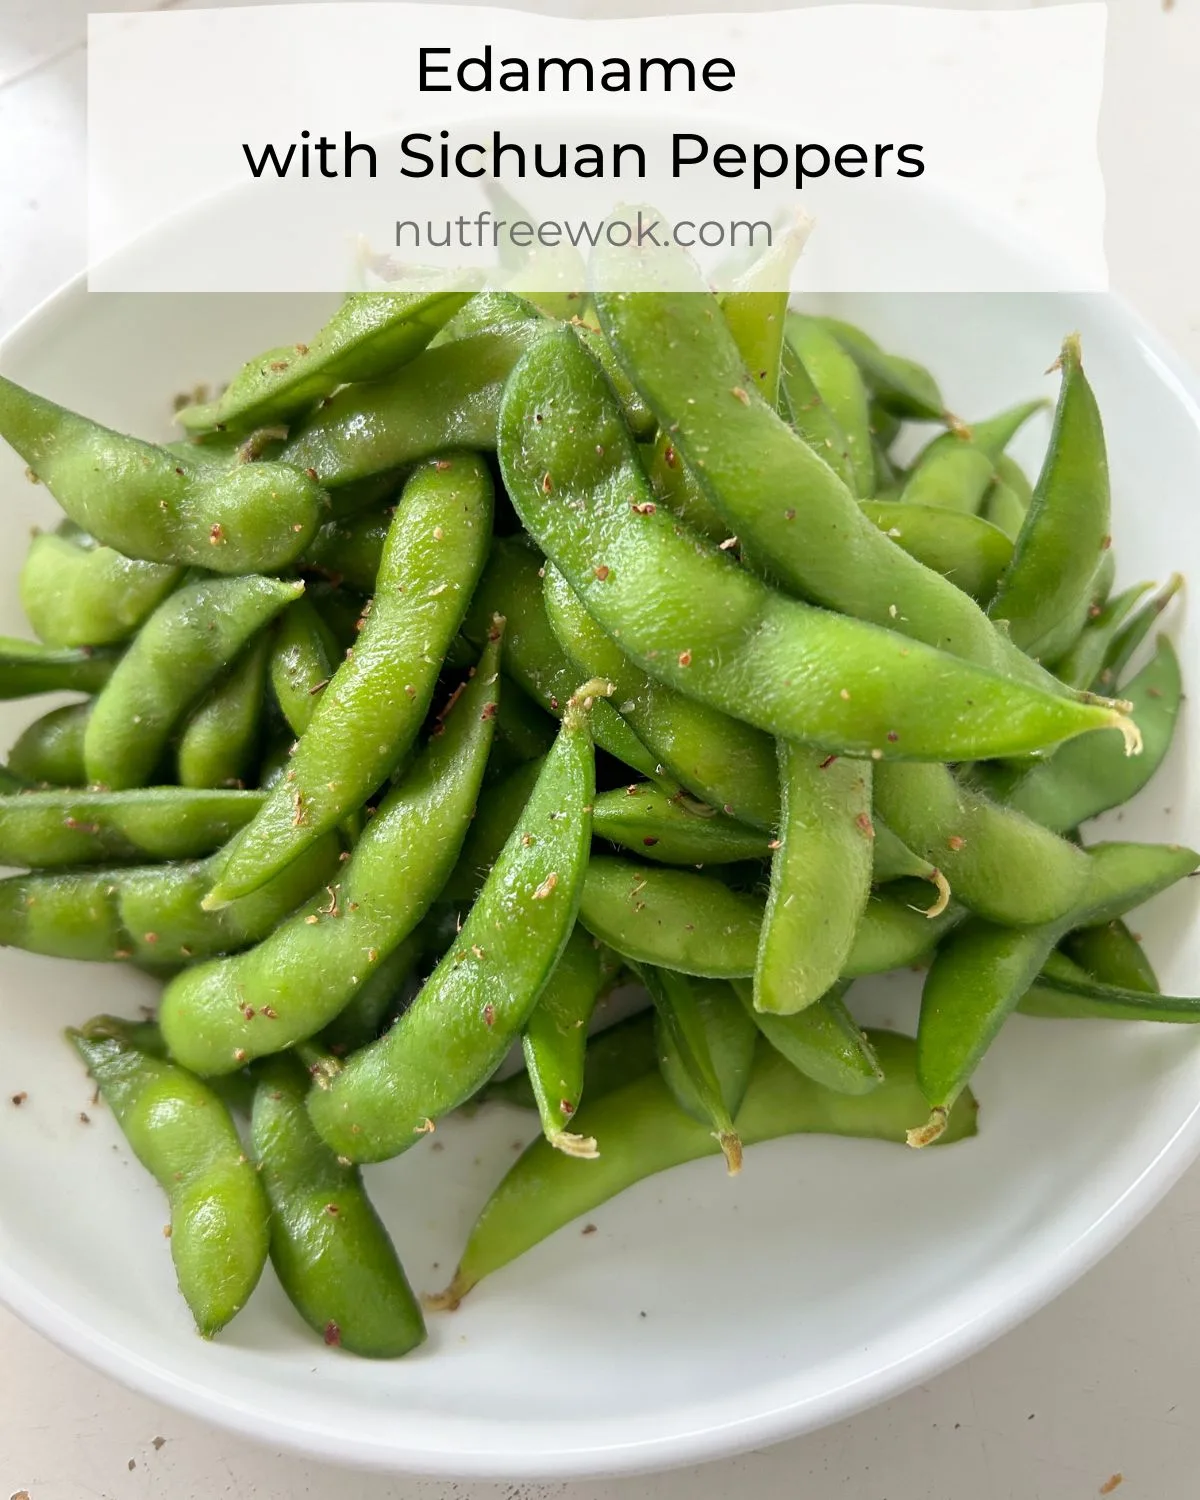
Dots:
{"x": 1103, "y": 1383}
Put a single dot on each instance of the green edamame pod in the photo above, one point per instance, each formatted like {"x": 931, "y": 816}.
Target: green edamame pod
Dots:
{"x": 1131, "y": 635}
{"x": 802, "y": 405}
{"x": 694, "y": 619}
{"x": 496, "y": 815}
{"x": 999, "y": 863}
{"x": 755, "y": 307}
{"x": 77, "y": 593}
{"x": 348, "y": 550}
{"x": 638, "y": 416}
{"x": 823, "y": 1040}
{"x": 1112, "y": 955}
{"x": 966, "y": 549}
{"x": 149, "y": 913}
{"x": 329, "y": 1248}
{"x": 1010, "y": 473}
{"x": 447, "y": 397}
{"x": 1067, "y": 527}
{"x": 555, "y": 1039}
{"x": 367, "y": 717}
{"x": 840, "y": 387}
{"x": 1002, "y": 508}
{"x": 892, "y": 859}
{"x": 524, "y": 731}
{"x": 1064, "y": 992}
{"x": 706, "y": 1047}
{"x": 897, "y": 385}
{"x": 182, "y": 1133}
{"x": 303, "y": 657}
{"x": 159, "y": 506}
{"x": 725, "y": 763}
{"x": 218, "y": 1015}
{"x": 673, "y": 830}
{"x": 50, "y": 750}
{"x": 956, "y": 469}
{"x": 1080, "y": 780}
{"x": 776, "y": 495}
{"x": 981, "y": 972}
{"x": 190, "y": 638}
{"x": 27, "y": 668}
{"x": 1083, "y": 663}
{"x": 614, "y": 1057}
{"x": 475, "y": 1003}
{"x": 512, "y": 586}
{"x": 820, "y": 878}
{"x": 645, "y": 1132}
{"x": 885, "y": 427}
{"x": 369, "y": 336}
{"x": 695, "y": 924}
{"x": 52, "y": 829}
{"x": 219, "y": 743}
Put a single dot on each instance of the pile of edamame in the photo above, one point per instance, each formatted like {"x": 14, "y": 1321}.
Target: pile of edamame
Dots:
{"x": 483, "y": 654}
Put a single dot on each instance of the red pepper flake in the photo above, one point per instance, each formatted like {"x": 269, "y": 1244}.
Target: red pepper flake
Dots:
{"x": 789, "y": 514}
{"x": 489, "y": 1014}
{"x": 669, "y": 456}
{"x": 588, "y": 1229}
{"x": 332, "y": 1208}
{"x": 643, "y": 507}
{"x": 827, "y": 762}
{"x": 240, "y": 1054}
{"x": 278, "y": 365}
{"x": 892, "y": 736}
{"x": 685, "y": 658}
{"x": 216, "y": 534}
{"x": 270, "y": 1012}
{"x": 19, "y": 1099}
{"x": 775, "y": 844}
{"x": 150, "y": 938}
{"x": 602, "y": 571}
{"x": 166, "y": 1231}
{"x": 248, "y": 1012}
{"x": 333, "y": 1334}
{"x": 567, "y": 1107}
{"x": 84, "y": 1118}
{"x": 1105, "y": 543}
{"x": 1111, "y": 1483}
{"x": 649, "y": 842}
{"x": 546, "y": 887}
{"x": 443, "y": 464}
{"x": 489, "y": 711}
{"x": 740, "y": 395}
{"x": 955, "y": 843}
{"x": 864, "y": 825}
{"x": 312, "y": 474}
{"x": 547, "y": 484}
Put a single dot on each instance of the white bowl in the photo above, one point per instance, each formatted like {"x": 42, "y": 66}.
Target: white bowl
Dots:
{"x": 704, "y": 1315}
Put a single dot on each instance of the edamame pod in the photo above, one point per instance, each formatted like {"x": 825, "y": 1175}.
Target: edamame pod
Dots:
{"x": 673, "y": 830}
{"x": 555, "y": 1038}
{"x": 447, "y": 397}
{"x": 1063, "y": 992}
{"x": 303, "y": 657}
{"x": 801, "y": 404}
{"x": 956, "y": 469}
{"x": 149, "y": 913}
{"x": 614, "y": 1057}
{"x": 969, "y": 551}
{"x": 1112, "y": 955}
{"x": 838, "y": 384}
{"x": 981, "y": 972}
{"x": 676, "y": 919}
{"x": 348, "y": 551}
{"x": 27, "y": 668}
{"x": 368, "y": 715}
{"x": 706, "y": 1048}
{"x": 823, "y": 1040}
{"x": 190, "y": 638}
{"x": 645, "y": 1132}
{"x": 52, "y": 829}
{"x": 370, "y": 335}
{"x": 181, "y": 1132}
{"x": 219, "y": 743}
{"x": 820, "y": 878}
{"x": 76, "y": 593}
{"x": 999, "y": 863}
{"x": 50, "y": 750}
{"x": 159, "y": 506}
{"x": 899, "y": 386}
{"x": 694, "y": 619}
{"x": 1067, "y": 527}
{"x": 218, "y": 1015}
{"x": 477, "y": 1001}
{"x": 329, "y": 1248}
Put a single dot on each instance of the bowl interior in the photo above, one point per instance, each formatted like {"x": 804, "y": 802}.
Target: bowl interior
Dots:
{"x": 703, "y": 1314}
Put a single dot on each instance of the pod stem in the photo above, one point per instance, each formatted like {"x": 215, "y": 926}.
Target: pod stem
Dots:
{"x": 449, "y": 1299}
{"x": 731, "y": 1148}
{"x": 943, "y": 890}
{"x": 582, "y": 1146}
{"x": 580, "y": 702}
{"x": 925, "y": 1135}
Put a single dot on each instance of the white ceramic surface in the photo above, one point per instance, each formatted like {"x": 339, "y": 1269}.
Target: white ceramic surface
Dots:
{"x": 703, "y": 1316}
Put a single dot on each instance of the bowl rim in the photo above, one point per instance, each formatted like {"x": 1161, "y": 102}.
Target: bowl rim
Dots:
{"x": 784, "y": 1420}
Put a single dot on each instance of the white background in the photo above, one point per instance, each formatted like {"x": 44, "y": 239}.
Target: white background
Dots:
{"x": 1105, "y": 1381}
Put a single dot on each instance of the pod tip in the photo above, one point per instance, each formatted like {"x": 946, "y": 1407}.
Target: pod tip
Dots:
{"x": 448, "y": 1300}
{"x": 582, "y": 1146}
{"x": 943, "y": 898}
{"x": 731, "y": 1148}
{"x": 925, "y": 1135}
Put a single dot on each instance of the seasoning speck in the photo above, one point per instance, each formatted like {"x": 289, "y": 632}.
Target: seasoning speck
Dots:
{"x": 19, "y": 1099}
